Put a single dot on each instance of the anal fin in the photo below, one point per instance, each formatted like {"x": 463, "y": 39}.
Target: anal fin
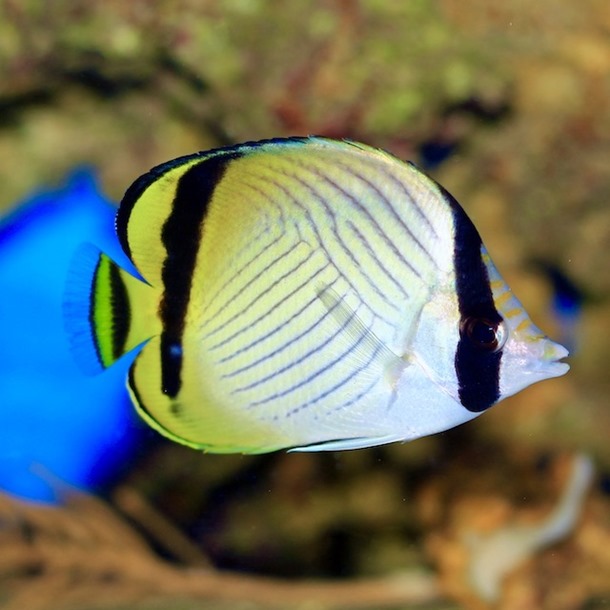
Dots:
{"x": 360, "y": 442}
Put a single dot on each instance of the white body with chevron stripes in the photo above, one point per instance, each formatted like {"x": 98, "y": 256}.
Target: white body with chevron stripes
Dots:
{"x": 306, "y": 293}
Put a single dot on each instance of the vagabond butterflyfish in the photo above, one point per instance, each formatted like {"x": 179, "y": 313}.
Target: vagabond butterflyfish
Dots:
{"x": 302, "y": 293}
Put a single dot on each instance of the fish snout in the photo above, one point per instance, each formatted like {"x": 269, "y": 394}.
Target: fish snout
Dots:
{"x": 551, "y": 359}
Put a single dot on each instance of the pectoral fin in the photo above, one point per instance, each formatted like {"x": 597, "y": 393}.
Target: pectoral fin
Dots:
{"x": 369, "y": 348}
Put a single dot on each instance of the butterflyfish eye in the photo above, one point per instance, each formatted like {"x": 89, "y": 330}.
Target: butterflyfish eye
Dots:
{"x": 484, "y": 334}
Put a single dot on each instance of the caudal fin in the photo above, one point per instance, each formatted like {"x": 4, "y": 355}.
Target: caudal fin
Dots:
{"x": 98, "y": 310}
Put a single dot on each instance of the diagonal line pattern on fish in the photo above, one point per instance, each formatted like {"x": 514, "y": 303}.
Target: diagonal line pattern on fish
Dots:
{"x": 303, "y": 293}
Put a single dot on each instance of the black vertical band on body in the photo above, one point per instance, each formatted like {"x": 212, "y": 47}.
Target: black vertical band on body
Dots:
{"x": 181, "y": 236}
{"x": 478, "y": 370}
{"x": 137, "y": 189}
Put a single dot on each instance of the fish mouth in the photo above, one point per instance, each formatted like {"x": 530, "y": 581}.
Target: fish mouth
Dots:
{"x": 552, "y": 362}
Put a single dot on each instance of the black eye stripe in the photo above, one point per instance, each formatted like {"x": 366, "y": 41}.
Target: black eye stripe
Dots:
{"x": 483, "y": 334}
{"x": 477, "y": 370}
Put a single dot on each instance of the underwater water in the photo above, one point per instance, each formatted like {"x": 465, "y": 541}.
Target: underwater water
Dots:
{"x": 507, "y": 106}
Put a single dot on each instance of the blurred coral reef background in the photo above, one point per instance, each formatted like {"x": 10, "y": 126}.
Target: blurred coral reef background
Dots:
{"x": 508, "y": 106}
